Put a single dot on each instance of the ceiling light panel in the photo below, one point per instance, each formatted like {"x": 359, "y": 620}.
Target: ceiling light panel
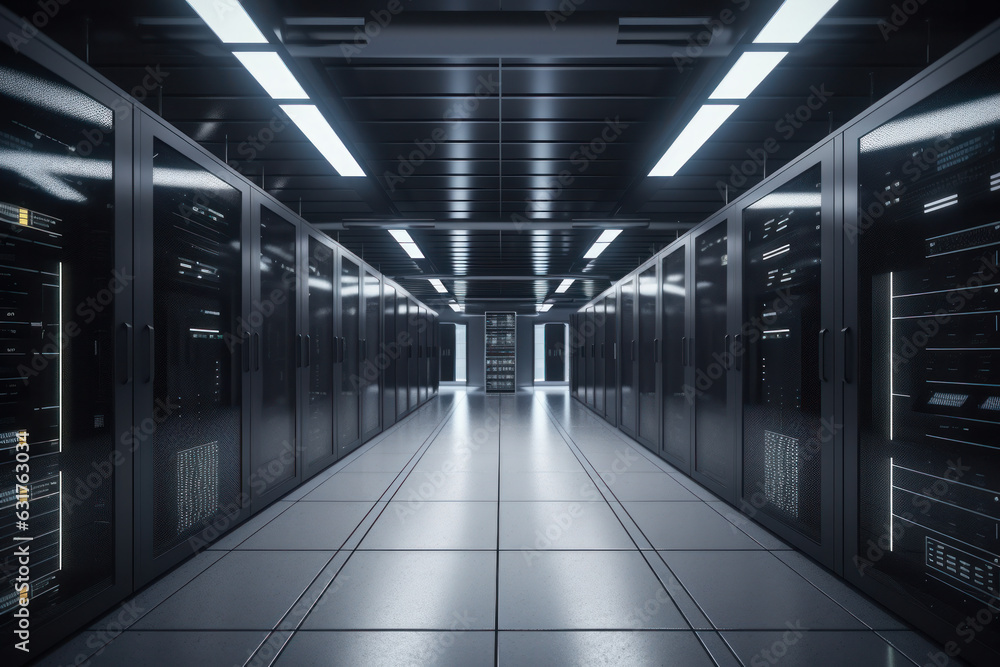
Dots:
{"x": 704, "y": 124}
{"x": 746, "y": 74}
{"x": 318, "y": 131}
{"x": 793, "y": 21}
{"x": 564, "y": 286}
{"x": 229, "y": 21}
{"x": 272, "y": 74}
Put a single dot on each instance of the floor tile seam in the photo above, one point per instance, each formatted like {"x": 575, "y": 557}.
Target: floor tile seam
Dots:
{"x": 708, "y": 651}
{"x": 642, "y": 552}
{"x": 898, "y": 650}
{"x": 430, "y": 438}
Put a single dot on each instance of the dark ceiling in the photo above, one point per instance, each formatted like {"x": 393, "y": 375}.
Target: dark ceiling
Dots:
{"x": 466, "y": 114}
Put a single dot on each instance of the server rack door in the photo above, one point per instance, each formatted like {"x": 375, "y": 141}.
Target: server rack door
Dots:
{"x": 715, "y": 451}
{"x": 348, "y": 381}
{"x": 919, "y": 353}
{"x": 648, "y": 432}
{"x": 574, "y": 355}
{"x": 371, "y": 343}
{"x": 600, "y": 347}
{"x": 423, "y": 366}
{"x": 278, "y": 355}
{"x": 318, "y": 414}
{"x": 66, "y": 309}
{"x": 197, "y": 347}
{"x": 448, "y": 352}
{"x": 629, "y": 404}
{"x": 403, "y": 364}
{"x": 413, "y": 364}
{"x": 390, "y": 356}
{"x": 588, "y": 331}
{"x": 676, "y": 347}
{"x": 555, "y": 354}
{"x": 612, "y": 352}
{"x": 436, "y": 356}
{"x": 787, "y": 397}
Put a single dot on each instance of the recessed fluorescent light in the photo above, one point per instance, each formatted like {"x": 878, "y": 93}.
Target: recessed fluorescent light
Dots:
{"x": 272, "y": 74}
{"x": 544, "y": 307}
{"x": 412, "y": 250}
{"x": 319, "y": 132}
{"x": 564, "y": 286}
{"x": 401, "y": 235}
{"x": 438, "y": 285}
{"x": 229, "y": 21}
{"x": 457, "y": 308}
{"x": 746, "y": 74}
{"x": 704, "y": 124}
{"x": 609, "y": 236}
{"x": 596, "y": 250}
{"x": 793, "y": 20}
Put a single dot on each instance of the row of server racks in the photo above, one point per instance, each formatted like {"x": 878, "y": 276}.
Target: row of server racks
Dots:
{"x": 824, "y": 353}
{"x": 178, "y": 348}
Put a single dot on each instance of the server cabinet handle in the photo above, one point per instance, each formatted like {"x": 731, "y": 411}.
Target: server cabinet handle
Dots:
{"x": 656, "y": 350}
{"x": 298, "y": 351}
{"x": 125, "y": 353}
{"x": 247, "y": 338}
{"x": 848, "y": 350}
{"x": 151, "y": 342}
{"x": 728, "y": 361}
{"x": 684, "y": 352}
{"x": 256, "y": 352}
{"x": 614, "y": 350}
{"x": 342, "y": 349}
{"x": 822, "y": 354}
{"x": 738, "y": 352}
{"x": 632, "y": 350}
{"x": 308, "y": 351}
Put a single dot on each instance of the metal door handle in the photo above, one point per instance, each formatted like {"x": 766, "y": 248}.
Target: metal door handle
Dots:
{"x": 298, "y": 352}
{"x": 822, "y": 354}
{"x": 684, "y": 351}
{"x": 308, "y": 351}
{"x": 151, "y": 333}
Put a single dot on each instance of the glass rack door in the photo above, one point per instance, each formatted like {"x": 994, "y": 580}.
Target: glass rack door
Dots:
{"x": 348, "y": 385}
{"x": 676, "y": 401}
{"x": 318, "y": 441}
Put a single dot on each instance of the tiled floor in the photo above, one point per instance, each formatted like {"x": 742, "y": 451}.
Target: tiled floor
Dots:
{"x": 483, "y": 530}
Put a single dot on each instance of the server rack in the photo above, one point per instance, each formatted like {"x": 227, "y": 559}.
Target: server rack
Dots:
{"x": 677, "y": 397}
{"x": 501, "y": 352}
{"x": 371, "y": 344}
{"x": 589, "y": 351}
{"x": 66, "y": 403}
{"x": 648, "y": 357}
{"x": 319, "y": 406}
{"x": 920, "y": 244}
{"x": 611, "y": 356}
{"x": 278, "y": 351}
{"x": 422, "y": 355}
{"x": 628, "y": 411}
{"x": 389, "y": 358}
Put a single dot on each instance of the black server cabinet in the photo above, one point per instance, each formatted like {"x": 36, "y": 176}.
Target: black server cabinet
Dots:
{"x": 371, "y": 343}
{"x": 318, "y": 442}
{"x": 629, "y": 360}
{"x": 574, "y": 355}
{"x": 677, "y": 397}
{"x": 715, "y": 459}
{"x": 436, "y": 366}
{"x": 349, "y": 367}
{"x": 423, "y": 355}
{"x": 390, "y": 355}
{"x": 66, "y": 286}
{"x": 589, "y": 345}
{"x": 783, "y": 354}
{"x": 405, "y": 351}
{"x": 600, "y": 321}
{"x": 413, "y": 366}
{"x": 555, "y": 352}
{"x": 197, "y": 346}
{"x": 448, "y": 342}
{"x": 920, "y": 353}
{"x": 278, "y": 352}
{"x": 648, "y": 347}
{"x": 501, "y": 352}
{"x": 612, "y": 350}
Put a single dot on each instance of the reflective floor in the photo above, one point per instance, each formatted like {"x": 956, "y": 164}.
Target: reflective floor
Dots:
{"x": 485, "y": 530}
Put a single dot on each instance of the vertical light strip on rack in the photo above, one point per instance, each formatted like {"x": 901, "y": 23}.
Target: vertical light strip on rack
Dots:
{"x": 892, "y": 374}
{"x": 890, "y": 502}
{"x": 60, "y": 383}
{"x": 60, "y": 519}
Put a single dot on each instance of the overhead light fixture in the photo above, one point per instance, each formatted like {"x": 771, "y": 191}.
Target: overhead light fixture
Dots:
{"x": 609, "y": 236}
{"x": 793, "y": 21}
{"x": 272, "y": 74}
{"x": 318, "y": 131}
{"x": 704, "y": 124}
{"x": 746, "y": 74}
{"x": 403, "y": 238}
{"x": 229, "y": 21}
{"x": 457, "y": 307}
{"x": 438, "y": 285}
{"x": 564, "y": 286}
{"x": 544, "y": 307}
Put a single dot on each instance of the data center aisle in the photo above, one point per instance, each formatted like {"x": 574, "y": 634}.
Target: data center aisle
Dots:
{"x": 483, "y": 530}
